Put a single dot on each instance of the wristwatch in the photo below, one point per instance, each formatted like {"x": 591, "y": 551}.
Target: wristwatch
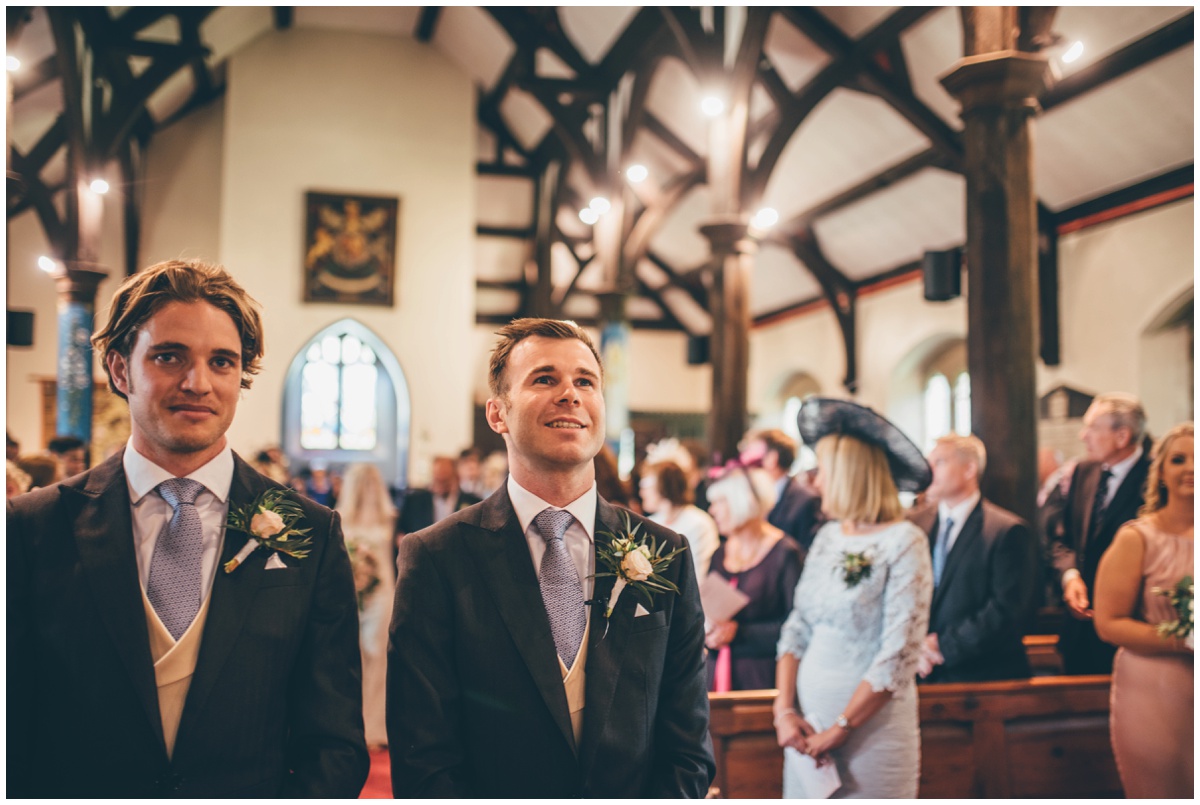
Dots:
{"x": 843, "y": 722}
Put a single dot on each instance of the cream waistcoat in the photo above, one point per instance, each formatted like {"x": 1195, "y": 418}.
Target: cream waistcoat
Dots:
{"x": 575, "y": 683}
{"x": 174, "y": 664}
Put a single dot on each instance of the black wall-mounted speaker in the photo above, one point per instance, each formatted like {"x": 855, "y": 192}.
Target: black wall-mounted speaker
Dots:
{"x": 20, "y": 328}
{"x": 697, "y": 350}
{"x": 943, "y": 275}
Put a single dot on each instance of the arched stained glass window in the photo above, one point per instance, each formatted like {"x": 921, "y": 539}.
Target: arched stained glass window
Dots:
{"x": 962, "y": 404}
{"x": 937, "y": 409}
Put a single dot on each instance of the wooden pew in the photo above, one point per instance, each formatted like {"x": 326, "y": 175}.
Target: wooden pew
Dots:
{"x": 1042, "y": 737}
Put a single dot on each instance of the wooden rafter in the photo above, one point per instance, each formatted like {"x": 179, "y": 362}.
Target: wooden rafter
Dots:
{"x": 427, "y": 23}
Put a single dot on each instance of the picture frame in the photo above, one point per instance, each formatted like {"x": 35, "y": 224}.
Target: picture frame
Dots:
{"x": 350, "y": 248}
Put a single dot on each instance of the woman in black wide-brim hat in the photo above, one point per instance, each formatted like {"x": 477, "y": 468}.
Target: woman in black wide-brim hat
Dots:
{"x": 847, "y": 655}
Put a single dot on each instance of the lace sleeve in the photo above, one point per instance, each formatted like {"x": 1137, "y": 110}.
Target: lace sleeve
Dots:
{"x": 906, "y": 597}
{"x": 796, "y": 631}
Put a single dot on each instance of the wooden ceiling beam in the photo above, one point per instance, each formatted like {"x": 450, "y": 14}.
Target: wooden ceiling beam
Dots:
{"x": 841, "y": 293}
{"x": 670, "y": 139}
{"x": 637, "y": 46}
{"x": 1164, "y": 40}
{"x": 427, "y": 23}
{"x": 529, "y": 35}
{"x": 694, "y": 44}
{"x": 283, "y": 17}
{"x": 655, "y": 296}
{"x": 33, "y": 77}
{"x": 689, "y": 281}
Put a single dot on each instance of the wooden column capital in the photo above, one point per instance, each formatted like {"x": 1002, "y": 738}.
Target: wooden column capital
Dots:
{"x": 78, "y": 281}
{"x": 728, "y": 234}
{"x": 1008, "y": 79}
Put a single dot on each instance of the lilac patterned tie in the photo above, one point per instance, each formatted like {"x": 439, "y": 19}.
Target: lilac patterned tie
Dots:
{"x": 174, "y": 584}
{"x": 562, "y": 594}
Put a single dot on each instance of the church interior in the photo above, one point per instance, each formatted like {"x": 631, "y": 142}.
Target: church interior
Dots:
{"x": 968, "y": 219}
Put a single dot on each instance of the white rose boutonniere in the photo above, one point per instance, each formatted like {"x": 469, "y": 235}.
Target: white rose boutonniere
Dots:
{"x": 636, "y": 564}
{"x": 271, "y": 521}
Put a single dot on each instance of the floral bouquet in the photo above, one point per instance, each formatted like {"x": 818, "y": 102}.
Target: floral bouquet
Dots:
{"x": 271, "y": 521}
{"x": 365, "y": 567}
{"x": 1181, "y": 598}
{"x": 636, "y": 564}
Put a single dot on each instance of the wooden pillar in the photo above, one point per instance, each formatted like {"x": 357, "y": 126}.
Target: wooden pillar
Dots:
{"x": 998, "y": 87}
{"x": 729, "y": 301}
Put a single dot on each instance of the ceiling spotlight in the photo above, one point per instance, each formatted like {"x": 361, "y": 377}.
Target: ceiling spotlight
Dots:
{"x": 99, "y": 187}
{"x": 13, "y": 64}
{"x": 589, "y": 216}
{"x": 600, "y": 205}
{"x": 636, "y": 173}
{"x": 47, "y": 264}
{"x": 1073, "y": 53}
{"x": 712, "y": 106}
{"x": 765, "y": 218}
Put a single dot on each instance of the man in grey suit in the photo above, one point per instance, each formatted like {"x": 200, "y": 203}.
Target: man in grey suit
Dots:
{"x": 505, "y": 678}
{"x": 137, "y": 667}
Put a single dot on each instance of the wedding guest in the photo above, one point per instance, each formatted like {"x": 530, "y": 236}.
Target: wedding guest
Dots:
{"x": 470, "y": 471}
{"x": 71, "y": 454}
{"x": 759, "y": 560}
{"x": 667, "y": 499}
{"x": 1152, "y": 708}
{"x": 495, "y": 470}
{"x": 12, "y": 448}
{"x": 848, "y": 653}
{"x": 424, "y": 507}
{"x": 17, "y": 481}
{"x": 42, "y": 470}
{"x": 610, "y": 484}
{"x": 797, "y": 509}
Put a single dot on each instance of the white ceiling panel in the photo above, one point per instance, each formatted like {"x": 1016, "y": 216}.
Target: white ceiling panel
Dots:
{"x": 593, "y": 29}
{"x": 1104, "y": 29}
{"x": 1130, "y": 129}
{"x": 779, "y": 280}
{"x": 581, "y": 306}
{"x": 527, "y": 119}
{"x": 230, "y": 28}
{"x": 679, "y": 241}
{"x": 896, "y": 225}
{"x": 549, "y": 65}
{"x": 172, "y": 95}
{"x": 849, "y": 137}
{"x": 391, "y": 20}
{"x": 501, "y": 258}
{"x": 674, "y": 97}
{"x": 857, "y": 20}
{"x": 496, "y": 300}
{"x": 503, "y": 201}
{"x": 691, "y": 315}
{"x": 793, "y": 54}
{"x": 639, "y": 307}
{"x": 931, "y": 49}
{"x": 475, "y": 42}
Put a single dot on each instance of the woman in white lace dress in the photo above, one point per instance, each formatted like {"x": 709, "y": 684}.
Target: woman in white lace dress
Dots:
{"x": 847, "y": 655}
{"x": 368, "y": 521}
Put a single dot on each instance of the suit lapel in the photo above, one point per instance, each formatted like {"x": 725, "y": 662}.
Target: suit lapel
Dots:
{"x": 232, "y": 595}
{"x": 1087, "y": 492}
{"x": 503, "y": 555}
{"x": 104, "y": 537}
{"x": 606, "y": 652}
{"x": 971, "y": 530}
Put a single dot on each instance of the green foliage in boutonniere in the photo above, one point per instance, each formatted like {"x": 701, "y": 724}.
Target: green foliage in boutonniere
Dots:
{"x": 855, "y": 567}
{"x": 636, "y": 563}
{"x": 271, "y": 521}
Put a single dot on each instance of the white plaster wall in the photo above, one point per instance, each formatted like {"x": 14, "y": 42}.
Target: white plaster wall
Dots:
{"x": 319, "y": 110}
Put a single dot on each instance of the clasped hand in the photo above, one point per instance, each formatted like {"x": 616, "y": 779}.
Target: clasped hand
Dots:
{"x": 720, "y": 634}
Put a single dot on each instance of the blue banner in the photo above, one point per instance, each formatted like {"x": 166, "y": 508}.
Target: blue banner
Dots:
{"x": 75, "y": 321}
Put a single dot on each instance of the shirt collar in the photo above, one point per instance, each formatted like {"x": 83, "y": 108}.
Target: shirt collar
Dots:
{"x": 1122, "y": 467}
{"x": 961, "y": 512}
{"x": 144, "y": 476}
{"x": 528, "y": 506}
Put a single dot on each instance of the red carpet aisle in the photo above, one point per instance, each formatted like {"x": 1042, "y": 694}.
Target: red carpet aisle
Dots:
{"x": 379, "y": 781}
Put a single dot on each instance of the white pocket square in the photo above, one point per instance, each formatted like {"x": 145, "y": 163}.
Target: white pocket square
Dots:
{"x": 275, "y": 563}
{"x": 640, "y": 611}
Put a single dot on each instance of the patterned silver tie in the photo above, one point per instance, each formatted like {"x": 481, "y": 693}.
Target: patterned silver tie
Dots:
{"x": 562, "y": 594}
{"x": 174, "y": 584}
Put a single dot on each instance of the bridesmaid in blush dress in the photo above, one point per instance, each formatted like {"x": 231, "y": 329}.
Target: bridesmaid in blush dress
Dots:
{"x": 1151, "y": 710}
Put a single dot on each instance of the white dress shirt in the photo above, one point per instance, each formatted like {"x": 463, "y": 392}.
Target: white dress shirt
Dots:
{"x": 959, "y": 515}
{"x": 150, "y": 513}
{"x": 578, "y": 539}
{"x": 1119, "y": 471}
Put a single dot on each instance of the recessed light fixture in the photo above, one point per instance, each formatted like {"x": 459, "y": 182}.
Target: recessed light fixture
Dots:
{"x": 600, "y": 205}
{"x": 765, "y": 218}
{"x": 1073, "y": 53}
{"x": 636, "y": 173}
{"x": 589, "y": 216}
{"x": 712, "y": 105}
{"x": 13, "y": 64}
{"x": 99, "y": 186}
{"x": 47, "y": 264}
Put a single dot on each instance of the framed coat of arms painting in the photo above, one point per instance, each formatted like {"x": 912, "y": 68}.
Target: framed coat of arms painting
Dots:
{"x": 350, "y": 248}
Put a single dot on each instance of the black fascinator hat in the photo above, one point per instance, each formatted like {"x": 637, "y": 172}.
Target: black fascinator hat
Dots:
{"x": 822, "y": 416}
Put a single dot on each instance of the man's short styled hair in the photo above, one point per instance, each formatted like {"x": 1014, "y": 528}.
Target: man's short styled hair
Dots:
{"x": 1125, "y": 411}
{"x": 146, "y": 292}
{"x": 517, "y": 331}
{"x": 969, "y": 448}
{"x": 780, "y": 444}
{"x": 60, "y": 445}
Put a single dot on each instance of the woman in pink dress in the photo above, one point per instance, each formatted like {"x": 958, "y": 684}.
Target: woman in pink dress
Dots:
{"x": 1152, "y": 687}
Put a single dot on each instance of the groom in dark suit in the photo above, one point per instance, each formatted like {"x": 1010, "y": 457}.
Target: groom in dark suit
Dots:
{"x": 137, "y": 667}
{"x": 505, "y": 679}
{"x": 985, "y": 571}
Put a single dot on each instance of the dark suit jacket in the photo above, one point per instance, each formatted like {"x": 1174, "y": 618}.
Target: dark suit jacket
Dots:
{"x": 274, "y": 707}
{"x": 797, "y": 512}
{"x": 476, "y": 705}
{"x": 1082, "y": 650}
{"x": 987, "y": 596}
{"x": 416, "y": 512}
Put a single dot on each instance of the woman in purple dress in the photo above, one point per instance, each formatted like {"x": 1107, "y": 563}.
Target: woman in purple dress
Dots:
{"x": 1151, "y": 713}
{"x": 762, "y": 562}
